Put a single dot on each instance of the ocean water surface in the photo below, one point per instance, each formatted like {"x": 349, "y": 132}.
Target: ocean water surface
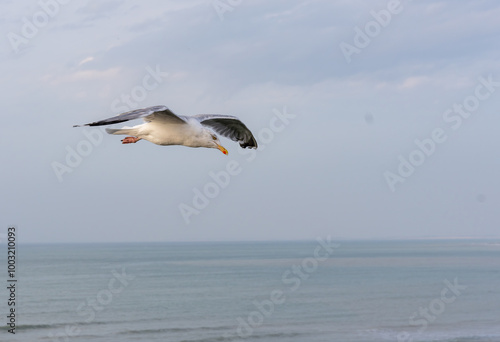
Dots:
{"x": 426, "y": 290}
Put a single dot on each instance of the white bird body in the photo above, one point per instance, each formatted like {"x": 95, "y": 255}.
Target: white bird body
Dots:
{"x": 163, "y": 134}
{"x": 162, "y": 127}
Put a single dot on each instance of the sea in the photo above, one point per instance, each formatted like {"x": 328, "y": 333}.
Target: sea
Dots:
{"x": 309, "y": 291}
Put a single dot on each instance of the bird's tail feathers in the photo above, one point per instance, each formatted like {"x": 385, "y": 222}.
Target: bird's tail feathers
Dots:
{"x": 124, "y": 131}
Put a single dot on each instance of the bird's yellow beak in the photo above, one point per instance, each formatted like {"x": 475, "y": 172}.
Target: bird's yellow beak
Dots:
{"x": 222, "y": 149}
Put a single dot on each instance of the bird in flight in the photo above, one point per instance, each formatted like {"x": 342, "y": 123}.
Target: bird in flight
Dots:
{"x": 163, "y": 127}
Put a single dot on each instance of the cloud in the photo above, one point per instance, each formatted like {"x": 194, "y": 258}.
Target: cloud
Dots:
{"x": 83, "y": 76}
{"x": 86, "y": 60}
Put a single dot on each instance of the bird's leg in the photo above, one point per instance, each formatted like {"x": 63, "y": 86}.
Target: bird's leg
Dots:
{"x": 130, "y": 140}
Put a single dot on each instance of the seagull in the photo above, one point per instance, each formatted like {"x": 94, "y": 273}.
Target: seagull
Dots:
{"x": 163, "y": 127}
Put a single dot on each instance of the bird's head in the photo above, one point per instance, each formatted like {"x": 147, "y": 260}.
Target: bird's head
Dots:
{"x": 213, "y": 142}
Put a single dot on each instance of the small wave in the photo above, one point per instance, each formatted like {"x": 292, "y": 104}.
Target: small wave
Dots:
{"x": 277, "y": 335}
{"x": 233, "y": 338}
{"x": 33, "y": 326}
{"x": 224, "y": 337}
{"x": 470, "y": 339}
{"x": 173, "y": 330}
{"x": 213, "y": 339}
{"x": 21, "y": 327}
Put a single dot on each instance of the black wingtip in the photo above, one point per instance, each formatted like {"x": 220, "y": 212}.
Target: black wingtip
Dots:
{"x": 249, "y": 144}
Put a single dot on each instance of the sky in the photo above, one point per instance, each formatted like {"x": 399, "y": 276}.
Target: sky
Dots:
{"x": 375, "y": 119}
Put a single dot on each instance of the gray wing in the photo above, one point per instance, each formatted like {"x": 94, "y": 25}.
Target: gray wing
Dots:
{"x": 230, "y": 127}
{"x": 149, "y": 114}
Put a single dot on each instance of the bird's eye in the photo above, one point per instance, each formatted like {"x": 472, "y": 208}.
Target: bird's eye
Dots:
{"x": 214, "y": 137}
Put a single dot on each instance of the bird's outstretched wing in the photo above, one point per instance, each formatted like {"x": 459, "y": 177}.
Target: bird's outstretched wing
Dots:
{"x": 149, "y": 114}
{"x": 230, "y": 127}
